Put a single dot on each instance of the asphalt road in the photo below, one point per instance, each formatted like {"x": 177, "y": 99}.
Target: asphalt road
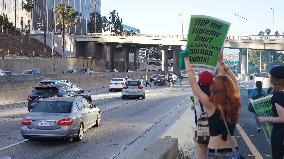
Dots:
{"x": 127, "y": 127}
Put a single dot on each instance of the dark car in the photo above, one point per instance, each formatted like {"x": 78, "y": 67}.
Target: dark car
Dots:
{"x": 161, "y": 80}
{"x": 45, "y": 90}
{"x": 154, "y": 77}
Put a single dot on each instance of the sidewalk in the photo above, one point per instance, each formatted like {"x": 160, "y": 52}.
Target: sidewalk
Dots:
{"x": 183, "y": 130}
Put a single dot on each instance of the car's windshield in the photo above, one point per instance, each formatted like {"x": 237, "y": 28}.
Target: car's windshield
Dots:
{"x": 53, "y": 107}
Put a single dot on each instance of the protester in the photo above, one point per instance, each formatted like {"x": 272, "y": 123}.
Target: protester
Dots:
{"x": 147, "y": 82}
{"x": 250, "y": 84}
{"x": 204, "y": 82}
{"x": 222, "y": 106}
{"x": 257, "y": 93}
{"x": 277, "y": 120}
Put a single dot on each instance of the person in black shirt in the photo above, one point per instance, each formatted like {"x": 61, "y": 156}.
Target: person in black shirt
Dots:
{"x": 277, "y": 135}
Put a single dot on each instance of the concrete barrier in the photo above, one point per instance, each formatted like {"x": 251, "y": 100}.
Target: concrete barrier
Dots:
{"x": 16, "y": 88}
{"x": 163, "y": 148}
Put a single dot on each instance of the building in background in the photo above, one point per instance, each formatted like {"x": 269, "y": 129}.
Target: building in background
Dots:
{"x": 43, "y": 12}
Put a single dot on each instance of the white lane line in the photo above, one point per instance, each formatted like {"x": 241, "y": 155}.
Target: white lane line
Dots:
{"x": 249, "y": 143}
{"x": 15, "y": 144}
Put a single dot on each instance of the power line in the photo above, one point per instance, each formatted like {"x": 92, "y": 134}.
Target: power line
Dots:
{"x": 241, "y": 16}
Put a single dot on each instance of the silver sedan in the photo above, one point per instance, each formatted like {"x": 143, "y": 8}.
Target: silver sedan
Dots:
{"x": 60, "y": 117}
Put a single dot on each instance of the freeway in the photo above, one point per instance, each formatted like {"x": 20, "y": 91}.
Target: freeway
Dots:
{"x": 127, "y": 126}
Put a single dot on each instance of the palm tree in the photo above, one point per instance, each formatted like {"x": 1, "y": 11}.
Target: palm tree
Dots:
{"x": 66, "y": 17}
{"x": 29, "y": 6}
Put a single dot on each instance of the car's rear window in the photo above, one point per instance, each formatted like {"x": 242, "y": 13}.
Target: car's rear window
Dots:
{"x": 46, "y": 90}
{"x": 117, "y": 79}
{"x": 53, "y": 107}
{"x": 46, "y": 83}
{"x": 133, "y": 83}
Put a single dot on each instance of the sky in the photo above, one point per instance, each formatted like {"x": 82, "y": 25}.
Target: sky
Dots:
{"x": 166, "y": 16}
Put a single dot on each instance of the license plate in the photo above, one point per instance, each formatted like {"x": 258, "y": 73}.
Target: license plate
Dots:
{"x": 43, "y": 123}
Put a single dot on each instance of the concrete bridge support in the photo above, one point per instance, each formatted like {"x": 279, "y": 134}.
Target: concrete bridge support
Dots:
{"x": 136, "y": 53}
{"x": 165, "y": 61}
{"x": 110, "y": 56}
{"x": 176, "y": 55}
{"x": 126, "y": 51}
{"x": 243, "y": 58}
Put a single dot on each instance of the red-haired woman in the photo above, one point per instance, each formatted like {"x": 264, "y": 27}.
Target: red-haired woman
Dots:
{"x": 222, "y": 105}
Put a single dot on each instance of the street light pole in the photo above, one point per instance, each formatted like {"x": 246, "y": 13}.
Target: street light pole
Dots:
{"x": 181, "y": 23}
{"x": 273, "y": 22}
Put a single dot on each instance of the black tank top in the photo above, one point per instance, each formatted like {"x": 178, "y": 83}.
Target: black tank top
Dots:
{"x": 217, "y": 125}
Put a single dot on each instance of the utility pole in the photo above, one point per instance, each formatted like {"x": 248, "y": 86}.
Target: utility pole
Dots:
{"x": 63, "y": 33}
{"x": 181, "y": 24}
{"x": 15, "y": 16}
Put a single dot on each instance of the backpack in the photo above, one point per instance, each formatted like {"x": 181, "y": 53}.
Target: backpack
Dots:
{"x": 259, "y": 95}
{"x": 201, "y": 132}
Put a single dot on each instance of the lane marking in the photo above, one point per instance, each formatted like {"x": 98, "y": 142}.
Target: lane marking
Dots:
{"x": 249, "y": 143}
{"x": 15, "y": 144}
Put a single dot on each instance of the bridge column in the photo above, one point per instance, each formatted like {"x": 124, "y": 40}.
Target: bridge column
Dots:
{"x": 110, "y": 56}
{"x": 136, "y": 53}
{"x": 176, "y": 54}
{"x": 126, "y": 57}
{"x": 165, "y": 61}
{"x": 243, "y": 59}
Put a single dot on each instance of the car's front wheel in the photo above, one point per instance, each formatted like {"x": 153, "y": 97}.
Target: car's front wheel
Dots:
{"x": 80, "y": 135}
{"x": 110, "y": 90}
{"x": 123, "y": 97}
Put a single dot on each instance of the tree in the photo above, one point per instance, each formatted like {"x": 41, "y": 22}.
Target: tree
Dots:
{"x": 261, "y": 33}
{"x": 267, "y": 31}
{"x": 95, "y": 24}
{"x": 29, "y": 5}
{"x": 115, "y": 22}
{"x": 8, "y": 27}
{"x": 277, "y": 34}
{"x": 66, "y": 17}
{"x": 105, "y": 24}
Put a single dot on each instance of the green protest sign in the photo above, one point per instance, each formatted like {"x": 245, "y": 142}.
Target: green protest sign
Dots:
{"x": 263, "y": 108}
{"x": 206, "y": 36}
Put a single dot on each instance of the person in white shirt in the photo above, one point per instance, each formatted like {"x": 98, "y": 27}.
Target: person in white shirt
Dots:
{"x": 251, "y": 85}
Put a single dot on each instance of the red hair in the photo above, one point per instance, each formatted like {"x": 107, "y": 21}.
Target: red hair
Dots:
{"x": 225, "y": 97}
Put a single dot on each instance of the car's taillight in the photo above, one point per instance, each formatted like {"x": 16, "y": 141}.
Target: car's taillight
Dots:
{"x": 140, "y": 87}
{"x": 125, "y": 86}
{"x": 26, "y": 121}
{"x": 65, "y": 121}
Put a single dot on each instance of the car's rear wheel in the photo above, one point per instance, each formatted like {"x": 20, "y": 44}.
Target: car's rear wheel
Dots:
{"x": 123, "y": 97}
{"x": 143, "y": 97}
{"x": 110, "y": 90}
{"x": 80, "y": 135}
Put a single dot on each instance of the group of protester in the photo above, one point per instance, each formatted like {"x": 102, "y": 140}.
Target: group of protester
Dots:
{"x": 219, "y": 97}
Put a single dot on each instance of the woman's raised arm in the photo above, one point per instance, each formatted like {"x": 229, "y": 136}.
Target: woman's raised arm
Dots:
{"x": 204, "y": 99}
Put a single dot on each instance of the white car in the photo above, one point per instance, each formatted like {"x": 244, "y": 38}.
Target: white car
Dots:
{"x": 117, "y": 84}
{"x": 133, "y": 88}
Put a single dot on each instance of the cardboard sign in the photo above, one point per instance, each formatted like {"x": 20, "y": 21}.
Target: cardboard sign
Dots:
{"x": 206, "y": 37}
{"x": 263, "y": 108}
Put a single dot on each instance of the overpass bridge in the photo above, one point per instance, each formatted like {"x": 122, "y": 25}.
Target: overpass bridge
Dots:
{"x": 117, "y": 48}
